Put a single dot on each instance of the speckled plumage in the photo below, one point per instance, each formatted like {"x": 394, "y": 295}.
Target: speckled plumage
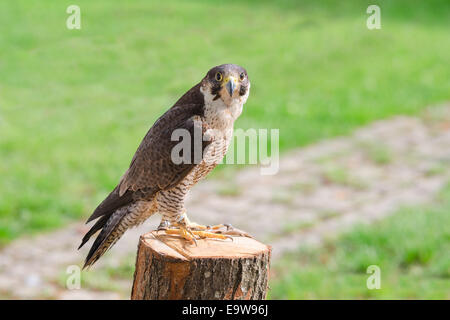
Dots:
{"x": 154, "y": 183}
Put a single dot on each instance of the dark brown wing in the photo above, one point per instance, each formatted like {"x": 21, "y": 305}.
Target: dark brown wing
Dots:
{"x": 152, "y": 166}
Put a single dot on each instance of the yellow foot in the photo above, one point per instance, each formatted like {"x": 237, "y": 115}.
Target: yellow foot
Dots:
{"x": 210, "y": 235}
{"x": 229, "y": 230}
{"x": 183, "y": 232}
{"x": 192, "y": 235}
{"x": 223, "y": 229}
{"x": 196, "y": 226}
{"x": 219, "y": 226}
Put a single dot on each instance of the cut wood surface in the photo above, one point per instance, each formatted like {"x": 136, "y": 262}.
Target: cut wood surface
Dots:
{"x": 169, "y": 267}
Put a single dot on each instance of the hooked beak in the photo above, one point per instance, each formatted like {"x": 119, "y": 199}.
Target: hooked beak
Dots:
{"x": 230, "y": 85}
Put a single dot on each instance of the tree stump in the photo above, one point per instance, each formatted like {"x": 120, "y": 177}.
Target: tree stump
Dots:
{"x": 168, "y": 268}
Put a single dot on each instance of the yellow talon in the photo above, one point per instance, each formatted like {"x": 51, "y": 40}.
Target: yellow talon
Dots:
{"x": 210, "y": 235}
{"x": 217, "y": 226}
{"x": 189, "y": 235}
{"x": 196, "y": 226}
{"x": 183, "y": 232}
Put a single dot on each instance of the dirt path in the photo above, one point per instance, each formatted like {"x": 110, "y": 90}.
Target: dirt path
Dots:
{"x": 319, "y": 191}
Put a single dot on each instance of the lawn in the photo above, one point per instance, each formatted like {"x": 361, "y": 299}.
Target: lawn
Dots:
{"x": 410, "y": 248}
{"x": 74, "y": 104}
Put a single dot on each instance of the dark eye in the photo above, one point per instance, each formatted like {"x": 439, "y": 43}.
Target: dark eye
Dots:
{"x": 219, "y": 76}
{"x": 242, "y": 76}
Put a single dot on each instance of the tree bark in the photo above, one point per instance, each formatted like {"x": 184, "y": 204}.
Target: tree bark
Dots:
{"x": 168, "y": 267}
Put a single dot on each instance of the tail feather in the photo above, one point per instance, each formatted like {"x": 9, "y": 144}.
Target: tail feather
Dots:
{"x": 110, "y": 212}
{"x": 111, "y": 203}
{"x": 111, "y": 232}
{"x": 97, "y": 226}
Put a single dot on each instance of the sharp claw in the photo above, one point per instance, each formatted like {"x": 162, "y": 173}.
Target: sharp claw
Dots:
{"x": 211, "y": 232}
{"x": 192, "y": 235}
{"x": 163, "y": 225}
{"x": 228, "y": 236}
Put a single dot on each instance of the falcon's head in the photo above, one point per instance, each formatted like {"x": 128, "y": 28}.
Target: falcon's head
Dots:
{"x": 227, "y": 82}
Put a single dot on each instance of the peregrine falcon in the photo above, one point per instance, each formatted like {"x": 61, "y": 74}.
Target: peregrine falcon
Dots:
{"x": 154, "y": 183}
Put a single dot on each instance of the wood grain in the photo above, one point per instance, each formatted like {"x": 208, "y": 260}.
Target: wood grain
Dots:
{"x": 168, "y": 267}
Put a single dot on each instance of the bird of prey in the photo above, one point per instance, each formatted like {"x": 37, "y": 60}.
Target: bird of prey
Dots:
{"x": 154, "y": 182}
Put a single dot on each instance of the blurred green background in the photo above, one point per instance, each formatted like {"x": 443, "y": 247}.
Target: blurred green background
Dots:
{"x": 74, "y": 104}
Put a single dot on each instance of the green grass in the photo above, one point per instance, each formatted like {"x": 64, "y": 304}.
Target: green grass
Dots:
{"x": 411, "y": 248}
{"x": 74, "y": 104}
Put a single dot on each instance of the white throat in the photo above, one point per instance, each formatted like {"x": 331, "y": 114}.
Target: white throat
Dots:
{"x": 217, "y": 114}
